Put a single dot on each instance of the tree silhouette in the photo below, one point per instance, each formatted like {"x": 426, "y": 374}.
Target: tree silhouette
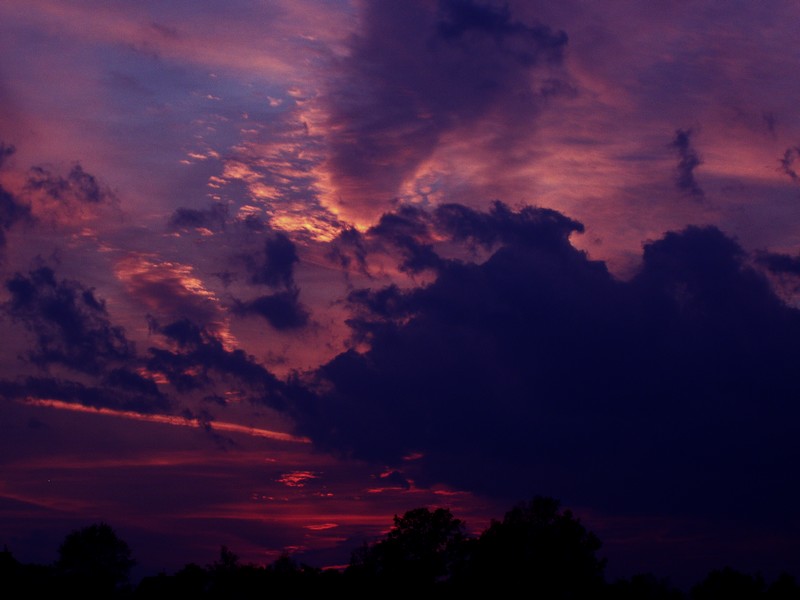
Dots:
{"x": 730, "y": 584}
{"x": 785, "y": 587}
{"x": 540, "y": 550}
{"x": 94, "y": 559}
{"x": 643, "y": 586}
{"x": 423, "y": 547}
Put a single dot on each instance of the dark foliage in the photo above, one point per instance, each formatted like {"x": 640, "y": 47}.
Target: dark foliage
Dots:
{"x": 94, "y": 561}
{"x": 538, "y": 550}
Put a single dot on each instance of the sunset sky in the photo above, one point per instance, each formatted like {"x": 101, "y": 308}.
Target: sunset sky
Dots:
{"x": 274, "y": 271}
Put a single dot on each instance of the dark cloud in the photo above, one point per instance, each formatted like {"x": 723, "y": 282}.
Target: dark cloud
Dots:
{"x": 787, "y": 163}
{"x": 212, "y": 219}
{"x": 672, "y": 392}
{"x": 528, "y": 226}
{"x": 418, "y": 70}
{"x": 408, "y": 230}
{"x": 275, "y": 267}
{"x": 780, "y": 263}
{"x": 12, "y": 211}
{"x": 6, "y": 150}
{"x": 349, "y": 250}
{"x": 784, "y": 271}
{"x": 412, "y": 233}
{"x": 70, "y": 324}
{"x": 199, "y": 360}
{"x": 78, "y": 185}
{"x": 688, "y": 161}
{"x": 71, "y": 328}
{"x": 282, "y": 310}
{"x": 122, "y": 391}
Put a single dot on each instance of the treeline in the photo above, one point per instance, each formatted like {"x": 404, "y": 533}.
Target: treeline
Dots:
{"x": 537, "y": 551}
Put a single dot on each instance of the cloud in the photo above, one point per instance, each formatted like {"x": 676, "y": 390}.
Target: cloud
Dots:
{"x": 348, "y": 250}
{"x": 6, "y": 150}
{"x": 199, "y": 360}
{"x": 776, "y": 262}
{"x": 787, "y": 163}
{"x": 70, "y": 324}
{"x": 212, "y": 219}
{"x": 413, "y": 232}
{"x": 122, "y": 390}
{"x": 408, "y": 230}
{"x": 71, "y": 328}
{"x": 282, "y": 309}
{"x": 12, "y": 211}
{"x": 418, "y": 71}
{"x": 171, "y": 290}
{"x": 78, "y": 186}
{"x": 784, "y": 271}
{"x": 276, "y": 267}
{"x": 76, "y": 199}
{"x": 688, "y": 161}
{"x": 536, "y": 369}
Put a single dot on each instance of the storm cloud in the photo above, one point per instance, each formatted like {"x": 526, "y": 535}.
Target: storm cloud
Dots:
{"x": 537, "y": 369}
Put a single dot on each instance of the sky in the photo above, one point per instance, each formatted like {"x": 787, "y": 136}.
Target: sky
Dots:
{"x": 275, "y": 271}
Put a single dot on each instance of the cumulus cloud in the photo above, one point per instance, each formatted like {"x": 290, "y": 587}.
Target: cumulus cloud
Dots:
{"x": 538, "y": 370}
{"x": 419, "y": 70}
